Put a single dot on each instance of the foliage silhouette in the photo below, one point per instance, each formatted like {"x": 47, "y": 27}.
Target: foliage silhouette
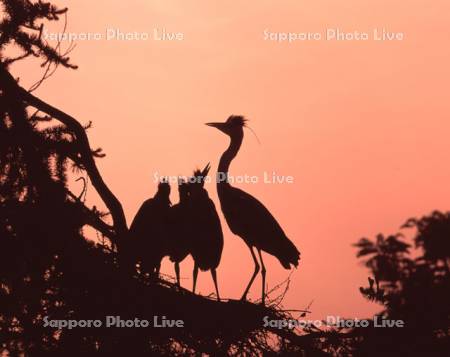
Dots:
{"x": 412, "y": 286}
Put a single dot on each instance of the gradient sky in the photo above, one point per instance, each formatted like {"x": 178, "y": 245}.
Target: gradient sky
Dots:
{"x": 361, "y": 125}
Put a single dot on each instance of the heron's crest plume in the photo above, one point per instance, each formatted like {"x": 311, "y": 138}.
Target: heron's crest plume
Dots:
{"x": 240, "y": 120}
{"x": 237, "y": 120}
{"x": 201, "y": 175}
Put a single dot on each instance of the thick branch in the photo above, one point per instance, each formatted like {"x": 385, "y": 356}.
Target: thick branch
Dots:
{"x": 111, "y": 201}
{"x": 93, "y": 220}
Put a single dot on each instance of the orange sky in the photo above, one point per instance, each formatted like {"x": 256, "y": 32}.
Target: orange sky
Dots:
{"x": 361, "y": 125}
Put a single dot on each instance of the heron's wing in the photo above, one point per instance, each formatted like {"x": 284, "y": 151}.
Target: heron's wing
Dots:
{"x": 149, "y": 228}
{"x": 207, "y": 242}
{"x": 252, "y": 221}
{"x": 141, "y": 220}
{"x": 178, "y": 228}
{"x": 212, "y": 217}
{"x": 250, "y": 215}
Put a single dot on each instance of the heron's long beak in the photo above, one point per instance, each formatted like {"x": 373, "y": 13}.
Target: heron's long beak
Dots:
{"x": 220, "y": 126}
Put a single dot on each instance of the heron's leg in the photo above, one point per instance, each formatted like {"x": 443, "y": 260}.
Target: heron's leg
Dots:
{"x": 263, "y": 274}
{"x": 195, "y": 273}
{"x": 214, "y": 276}
{"x": 255, "y": 260}
{"x": 177, "y": 272}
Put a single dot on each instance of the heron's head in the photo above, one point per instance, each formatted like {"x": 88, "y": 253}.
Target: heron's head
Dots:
{"x": 183, "y": 189}
{"x": 164, "y": 188}
{"x": 198, "y": 181}
{"x": 233, "y": 126}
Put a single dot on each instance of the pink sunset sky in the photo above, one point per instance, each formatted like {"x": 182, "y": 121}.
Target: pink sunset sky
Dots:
{"x": 362, "y": 126}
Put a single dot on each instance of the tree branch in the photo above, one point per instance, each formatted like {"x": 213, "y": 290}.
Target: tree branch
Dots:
{"x": 112, "y": 203}
{"x": 93, "y": 220}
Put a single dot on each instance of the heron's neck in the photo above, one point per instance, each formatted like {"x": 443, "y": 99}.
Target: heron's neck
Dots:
{"x": 228, "y": 155}
{"x": 163, "y": 198}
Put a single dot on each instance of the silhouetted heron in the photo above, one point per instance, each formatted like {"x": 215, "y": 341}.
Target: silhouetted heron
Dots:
{"x": 246, "y": 216}
{"x": 149, "y": 230}
{"x": 206, "y": 235}
{"x": 179, "y": 226}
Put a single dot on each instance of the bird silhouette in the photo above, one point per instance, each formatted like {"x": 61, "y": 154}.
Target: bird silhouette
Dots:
{"x": 149, "y": 230}
{"x": 179, "y": 226}
{"x": 246, "y": 216}
{"x": 207, "y": 236}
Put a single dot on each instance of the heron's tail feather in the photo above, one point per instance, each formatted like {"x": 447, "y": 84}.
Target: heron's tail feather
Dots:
{"x": 287, "y": 253}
